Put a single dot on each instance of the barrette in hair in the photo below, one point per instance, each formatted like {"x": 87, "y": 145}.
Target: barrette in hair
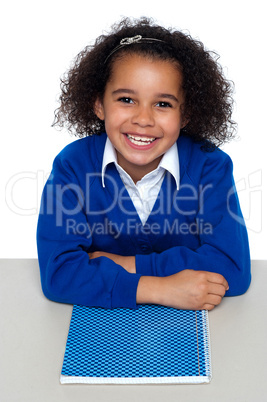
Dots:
{"x": 128, "y": 41}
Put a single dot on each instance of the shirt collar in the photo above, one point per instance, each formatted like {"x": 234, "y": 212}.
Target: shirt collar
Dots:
{"x": 170, "y": 161}
{"x": 108, "y": 157}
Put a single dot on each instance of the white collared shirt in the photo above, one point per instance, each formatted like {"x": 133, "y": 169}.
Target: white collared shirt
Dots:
{"x": 144, "y": 193}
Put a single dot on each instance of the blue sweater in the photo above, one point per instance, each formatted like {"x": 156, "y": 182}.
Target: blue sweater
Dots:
{"x": 198, "y": 227}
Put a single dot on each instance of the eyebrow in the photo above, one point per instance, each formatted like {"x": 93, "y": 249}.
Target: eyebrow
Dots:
{"x": 168, "y": 96}
{"x": 123, "y": 90}
{"x": 131, "y": 91}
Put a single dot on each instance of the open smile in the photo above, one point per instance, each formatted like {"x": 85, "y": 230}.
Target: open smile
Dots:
{"x": 141, "y": 141}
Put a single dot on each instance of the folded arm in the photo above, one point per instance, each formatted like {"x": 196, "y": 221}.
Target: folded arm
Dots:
{"x": 188, "y": 289}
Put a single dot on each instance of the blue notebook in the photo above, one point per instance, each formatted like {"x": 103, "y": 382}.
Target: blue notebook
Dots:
{"x": 152, "y": 344}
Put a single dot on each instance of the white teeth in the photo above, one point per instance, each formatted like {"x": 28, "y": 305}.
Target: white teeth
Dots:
{"x": 140, "y": 140}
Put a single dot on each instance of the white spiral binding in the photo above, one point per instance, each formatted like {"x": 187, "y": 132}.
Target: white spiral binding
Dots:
{"x": 207, "y": 349}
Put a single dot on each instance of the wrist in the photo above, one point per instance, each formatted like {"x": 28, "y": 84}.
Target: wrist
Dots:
{"x": 129, "y": 264}
{"x": 149, "y": 290}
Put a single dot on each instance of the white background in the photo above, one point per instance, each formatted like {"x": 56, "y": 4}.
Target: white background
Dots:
{"x": 38, "y": 42}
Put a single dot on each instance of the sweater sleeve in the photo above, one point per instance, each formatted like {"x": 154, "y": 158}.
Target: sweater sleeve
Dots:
{"x": 223, "y": 248}
{"x": 67, "y": 273}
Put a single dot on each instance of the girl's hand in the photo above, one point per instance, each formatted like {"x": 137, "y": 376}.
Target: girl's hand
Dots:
{"x": 188, "y": 289}
{"x": 128, "y": 263}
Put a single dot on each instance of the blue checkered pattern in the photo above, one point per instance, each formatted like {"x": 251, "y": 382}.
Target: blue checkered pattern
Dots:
{"x": 151, "y": 341}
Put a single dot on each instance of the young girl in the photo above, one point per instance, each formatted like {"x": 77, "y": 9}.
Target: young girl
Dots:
{"x": 144, "y": 208}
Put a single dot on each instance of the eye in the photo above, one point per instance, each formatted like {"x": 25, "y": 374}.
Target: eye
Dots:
{"x": 125, "y": 99}
{"x": 164, "y": 104}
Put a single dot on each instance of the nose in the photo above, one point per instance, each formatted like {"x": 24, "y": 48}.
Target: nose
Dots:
{"x": 143, "y": 116}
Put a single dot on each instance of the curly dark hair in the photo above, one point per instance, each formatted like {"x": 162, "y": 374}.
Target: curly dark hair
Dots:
{"x": 208, "y": 95}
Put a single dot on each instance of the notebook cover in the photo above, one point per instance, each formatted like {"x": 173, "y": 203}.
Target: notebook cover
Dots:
{"x": 152, "y": 344}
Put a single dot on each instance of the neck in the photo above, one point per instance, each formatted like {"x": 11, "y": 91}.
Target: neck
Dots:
{"x": 138, "y": 172}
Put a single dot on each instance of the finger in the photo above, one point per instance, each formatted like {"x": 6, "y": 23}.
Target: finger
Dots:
{"x": 216, "y": 289}
{"x": 208, "y": 306}
{"x": 213, "y": 299}
{"x": 219, "y": 279}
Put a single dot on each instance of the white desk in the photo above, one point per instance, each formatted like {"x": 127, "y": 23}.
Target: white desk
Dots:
{"x": 33, "y": 333}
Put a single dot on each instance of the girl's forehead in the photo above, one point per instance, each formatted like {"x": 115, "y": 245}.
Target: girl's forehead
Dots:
{"x": 145, "y": 75}
{"x": 134, "y": 61}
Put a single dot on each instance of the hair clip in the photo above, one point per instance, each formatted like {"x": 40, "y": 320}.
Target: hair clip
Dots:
{"x": 130, "y": 41}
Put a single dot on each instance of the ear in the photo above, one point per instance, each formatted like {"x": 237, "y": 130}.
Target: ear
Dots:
{"x": 184, "y": 122}
{"x": 185, "y": 118}
{"x": 99, "y": 109}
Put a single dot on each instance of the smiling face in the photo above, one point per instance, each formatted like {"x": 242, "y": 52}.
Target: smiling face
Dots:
{"x": 141, "y": 108}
